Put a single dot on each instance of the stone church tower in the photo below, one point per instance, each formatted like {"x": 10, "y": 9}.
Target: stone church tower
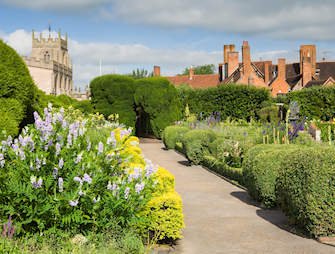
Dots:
{"x": 50, "y": 65}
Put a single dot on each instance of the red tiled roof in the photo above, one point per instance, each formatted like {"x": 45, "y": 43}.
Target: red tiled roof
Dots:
{"x": 198, "y": 81}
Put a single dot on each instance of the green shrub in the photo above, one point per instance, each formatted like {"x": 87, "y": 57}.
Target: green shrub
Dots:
{"x": 315, "y": 102}
{"x": 304, "y": 138}
{"x": 172, "y": 135}
{"x": 114, "y": 94}
{"x": 11, "y": 115}
{"x": 196, "y": 144}
{"x": 269, "y": 114}
{"x": 158, "y": 99}
{"x": 234, "y": 101}
{"x": 84, "y": 106}
{"x": 15, "y": 80}
{"x": 261, "y": 168}
{"x": 159, "y": 213}
{"x": 227, "y": 151}
{"x": 234, "y": 174}
{"x": 306, "y": 189}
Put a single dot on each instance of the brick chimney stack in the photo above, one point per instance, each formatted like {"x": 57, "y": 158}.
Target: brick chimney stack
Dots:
{"x": 267, "y": 65}
{"x": 308, "y": 51}
{"x": 246, "y": 59}
{"x": 157, "y": 71}
{"x": 307, "y": 70}
{"x": 226, "y": 50}
{"x": 282, "y": 69}
{"x": 191, "y": 73}
{"x": 232, "y": 63}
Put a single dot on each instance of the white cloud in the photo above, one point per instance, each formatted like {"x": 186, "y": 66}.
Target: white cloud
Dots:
{"x": 293, "y": 19}
{"x": 117, "y": 58}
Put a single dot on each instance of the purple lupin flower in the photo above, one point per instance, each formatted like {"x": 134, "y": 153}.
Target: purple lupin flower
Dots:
{"x": 58, "y": 148}
{"x": 149, "y": 168}
{"x": 100, "y": 147}
{"x": 79, "y": 158}
{"x": 2, "y": 160}
{"x": 36, "y": 183}
{"x": 61, "y": 163}
{"x": 89, "y": 146}
{"x": 69, "y": 140}
{"x": 78, "y": 179}
{"x": 38, "y": 163}
{"x": 139, "y": 187}
{"x": 73, "y": 203}
{"x": 96, "y": 199}
{"x": 60, "y": 184}
{"x": 22, "y": 155}
{"x": 55, "y": 173}
{"x": 87, "y": 178}
{"x": 112, "y": 187}
{"x": 126, "y": 193}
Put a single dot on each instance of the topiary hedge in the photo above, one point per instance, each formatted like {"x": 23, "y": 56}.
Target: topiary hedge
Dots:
{"x": 196, "y": 144}
{"x": 159, "y": 99}
{"x": 234, "y": 101}
{"x": 306, "y": 189}
{"x": 261, "y": 168}
{"x": 15, "y": 80}
{"x": 114, "y": 94}
{"x": 11, "y": 115}
{"x": 315, "y": 102}
{"x": 173, "y": 134}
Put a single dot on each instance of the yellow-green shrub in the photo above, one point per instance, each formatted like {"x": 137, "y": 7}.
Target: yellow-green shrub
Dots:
{"x": 165, "y": 181}
{"x": 164, "y": 216}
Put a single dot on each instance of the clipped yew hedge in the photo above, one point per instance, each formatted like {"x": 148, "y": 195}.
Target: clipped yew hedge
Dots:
{"x": 261, "y": 168}
{"x": 306, "y": 189}
{"x": 234, "y": 101}
{"x": 173, "y": 134}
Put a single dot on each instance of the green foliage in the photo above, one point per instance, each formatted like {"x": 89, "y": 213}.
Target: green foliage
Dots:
{"x": 315, "y": 102}
{"x": 114, "y": 94}
{"x": 84, "y": 106}
{"x": 157, "y": 98}
{"x": 234, "y": 174}
{"x": 11, "y": 115}
{"x": 141, "y": 73}
{"x": 261, "y": 169}
{"x": 201, "y": 69}
{"x": 15, "y": 80}
{"x": 172, "y": 135}
{"x": 304, "y": 138}
{"x": 269, "y": 114}
{"x": 227, "y": 151}
{"x": 196, "y": 144}
{"x": 232, "y": 101}
{"x": 56, "y": 177}
{"x": 306, "y": 189}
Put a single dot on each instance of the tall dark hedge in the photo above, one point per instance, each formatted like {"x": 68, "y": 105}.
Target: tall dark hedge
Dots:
{"x": 159, "y": 99}
{"x": 114, "y": 94}
{"x": 235, "y": 101}
{"x": 315, "y": 102}
{"x": 16, "y": 83}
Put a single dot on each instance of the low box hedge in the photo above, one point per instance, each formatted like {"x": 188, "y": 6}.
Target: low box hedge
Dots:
{"x": 234, "y": 174}
{"x": 306, "y": 189}
{"x": 261, "y": 168}
{"x": 172, "y": 135}
{"x": 196, "y": 143}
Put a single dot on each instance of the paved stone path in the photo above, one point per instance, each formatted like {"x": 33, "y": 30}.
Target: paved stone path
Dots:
{"x": 221, "y": 218}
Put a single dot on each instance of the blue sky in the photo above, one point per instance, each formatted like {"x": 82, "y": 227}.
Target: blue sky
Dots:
{"x": 174, "y": 34}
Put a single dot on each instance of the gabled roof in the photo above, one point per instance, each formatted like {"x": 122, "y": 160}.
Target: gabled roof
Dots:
{"x": 327, "y": 69}
{"x": 236, "y": 75}
{"x": 197, "y": 81}
{"x": 315, "y": 83}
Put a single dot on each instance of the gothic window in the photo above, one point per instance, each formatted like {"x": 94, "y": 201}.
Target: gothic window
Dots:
{"x": 46, "y": 56}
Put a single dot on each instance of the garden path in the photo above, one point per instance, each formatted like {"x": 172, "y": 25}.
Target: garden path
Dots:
{"x": 221, "y": 218}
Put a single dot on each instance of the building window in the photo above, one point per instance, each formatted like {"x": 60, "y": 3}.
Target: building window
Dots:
{"x": 46, "y": 56}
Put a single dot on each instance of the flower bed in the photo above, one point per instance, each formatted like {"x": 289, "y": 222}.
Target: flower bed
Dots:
{"x": 77, "y": 174}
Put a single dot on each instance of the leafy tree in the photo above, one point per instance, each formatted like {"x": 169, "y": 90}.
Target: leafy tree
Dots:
{"x": 201, "y": 69}
{"x": 158, "y": 102}
{"x": 114, "y": 94}
{"x": 16, "y": 83}
{"x": 141, "y": 73}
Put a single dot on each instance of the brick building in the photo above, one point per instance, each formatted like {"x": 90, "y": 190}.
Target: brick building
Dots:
{"x": 279, "y": 78}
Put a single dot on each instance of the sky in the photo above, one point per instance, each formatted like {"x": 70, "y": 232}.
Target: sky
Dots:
{"x": 174, "y": 34}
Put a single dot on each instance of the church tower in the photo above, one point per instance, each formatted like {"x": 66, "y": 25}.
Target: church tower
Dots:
{"x": 50, "y": 65}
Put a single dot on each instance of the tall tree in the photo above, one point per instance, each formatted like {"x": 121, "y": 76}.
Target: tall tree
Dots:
{"x": 201, "y": 69}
